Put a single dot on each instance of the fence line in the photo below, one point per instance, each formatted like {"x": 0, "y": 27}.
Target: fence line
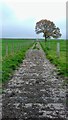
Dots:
{"x": 10, "y": 47}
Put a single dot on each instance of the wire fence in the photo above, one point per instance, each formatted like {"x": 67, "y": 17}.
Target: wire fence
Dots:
{"x": 11, "y": 47}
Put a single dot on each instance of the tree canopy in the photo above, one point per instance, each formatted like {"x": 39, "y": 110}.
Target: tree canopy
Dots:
{"x": 48, "y": 29}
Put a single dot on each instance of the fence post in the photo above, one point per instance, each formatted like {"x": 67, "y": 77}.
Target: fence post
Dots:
{"x": 12, "y": 48}
{"x": 49, "y": 44}
{"x": 58, "y": 49}
{"x": 6, "y": 49}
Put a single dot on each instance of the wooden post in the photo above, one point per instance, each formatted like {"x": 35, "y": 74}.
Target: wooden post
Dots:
{"x": 49, "y": 44}
{"x": 6, "y": 49}
{"x": 17, "y": 46}
{"x": 58, "y": 49}
{"x": 12, "y": 47}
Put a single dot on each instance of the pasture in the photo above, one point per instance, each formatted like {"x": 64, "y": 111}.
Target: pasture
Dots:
{"x": 0, "y": 61}
{"x": 13, "y": 52}
{"x": 50, "y": 49}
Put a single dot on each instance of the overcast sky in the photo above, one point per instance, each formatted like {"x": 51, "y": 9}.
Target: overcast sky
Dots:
{"x": 19, "y": 17}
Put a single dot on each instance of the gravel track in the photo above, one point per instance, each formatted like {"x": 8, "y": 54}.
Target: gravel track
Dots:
{"x": 35, "y": 90}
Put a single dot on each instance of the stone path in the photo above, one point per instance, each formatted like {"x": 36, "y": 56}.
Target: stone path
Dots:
{"x": 35, "y": 91}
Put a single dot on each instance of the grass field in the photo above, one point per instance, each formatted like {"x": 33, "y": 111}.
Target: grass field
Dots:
{"x": 50, "y": 48}
{"x": 0, "y": 60}
{"x": 13, "y": 52}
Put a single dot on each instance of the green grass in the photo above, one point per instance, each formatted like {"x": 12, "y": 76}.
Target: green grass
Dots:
{"x": 14, "y": 45}
{"x": 35, "y": 46}
{"x": 15, "y": 55}
{"x": 50, "y": 50}
{"x": 0, "y": 61}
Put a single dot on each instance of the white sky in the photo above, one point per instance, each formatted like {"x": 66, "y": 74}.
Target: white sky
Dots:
{"x": 19, "y": 16}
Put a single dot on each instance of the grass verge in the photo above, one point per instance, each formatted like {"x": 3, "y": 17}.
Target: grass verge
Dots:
{"x": 12, "y": 61}
{"x": 50, "y": 50}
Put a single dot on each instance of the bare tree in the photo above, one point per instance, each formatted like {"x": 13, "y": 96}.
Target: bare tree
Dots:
{"x": 48, "y": 29}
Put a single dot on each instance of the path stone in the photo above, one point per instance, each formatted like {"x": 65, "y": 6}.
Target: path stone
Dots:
{"x": 35, "y": 91}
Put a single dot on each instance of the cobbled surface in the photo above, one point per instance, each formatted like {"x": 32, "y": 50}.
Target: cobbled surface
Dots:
{"x": 35, "y": 91}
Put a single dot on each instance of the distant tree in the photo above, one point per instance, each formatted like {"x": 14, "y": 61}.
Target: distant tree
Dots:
{"x": 48, "y": 29}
